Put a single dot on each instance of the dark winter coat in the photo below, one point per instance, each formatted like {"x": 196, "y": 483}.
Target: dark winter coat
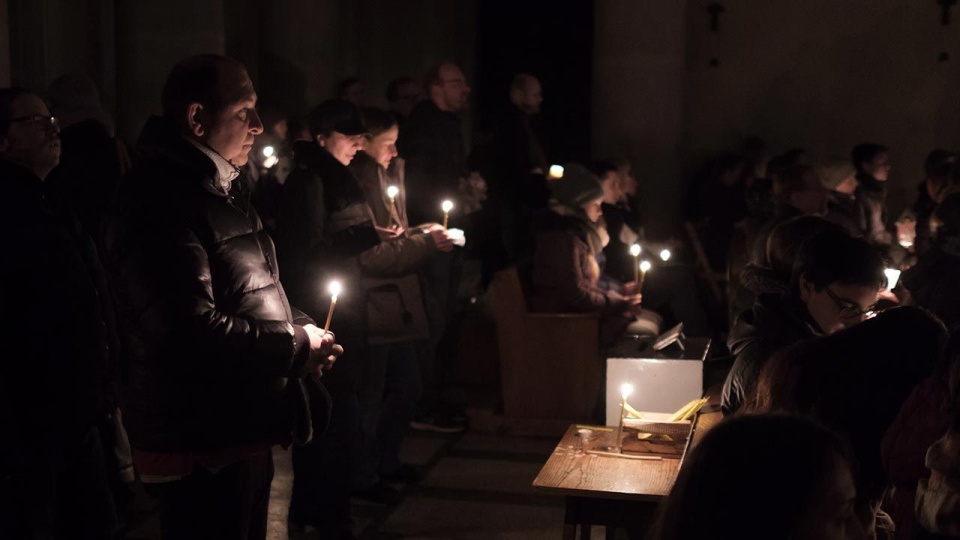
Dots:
{"x": 934, "y": 282}
{"x": 433, "y": 145}
{"x": 846, "y": 211}
{"x": 395, "y": 309}
{"x": 872, "y": 197}
{"x": 211, "y": 343}
{"x": 56, "y": 313}
{"x": 324, "y": 223}
{"x": 774, "y": 322}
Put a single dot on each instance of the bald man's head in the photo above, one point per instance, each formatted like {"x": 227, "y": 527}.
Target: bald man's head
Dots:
{"x": 526, "y": 93}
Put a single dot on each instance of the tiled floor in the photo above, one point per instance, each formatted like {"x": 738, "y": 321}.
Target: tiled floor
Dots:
{"x": 475, "y": 486}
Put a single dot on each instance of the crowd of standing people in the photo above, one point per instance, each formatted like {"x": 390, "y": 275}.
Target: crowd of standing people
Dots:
{"x": 173, "y": 316}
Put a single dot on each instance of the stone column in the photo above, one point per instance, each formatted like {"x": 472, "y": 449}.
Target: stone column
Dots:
{"x": 638, "y": 88}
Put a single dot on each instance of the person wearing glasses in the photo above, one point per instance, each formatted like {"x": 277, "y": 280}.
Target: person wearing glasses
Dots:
{"x": 53, "y": 390}
{"x": 835, "y": 283}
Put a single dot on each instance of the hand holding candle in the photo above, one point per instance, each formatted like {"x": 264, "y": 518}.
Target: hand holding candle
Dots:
{"x": 446, "y": 206}
{"x": 334, "y": 289}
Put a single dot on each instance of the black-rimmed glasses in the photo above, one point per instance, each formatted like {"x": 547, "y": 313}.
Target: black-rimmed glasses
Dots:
{"x": 849, "y": 310}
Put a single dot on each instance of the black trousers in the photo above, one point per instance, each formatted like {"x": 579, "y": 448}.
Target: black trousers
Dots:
{"x": 230, "y": 504}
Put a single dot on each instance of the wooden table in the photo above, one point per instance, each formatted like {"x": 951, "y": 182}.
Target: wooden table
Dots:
{"x": 611, "y": 491}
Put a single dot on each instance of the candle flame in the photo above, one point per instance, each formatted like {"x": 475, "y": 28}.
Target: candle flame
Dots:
{"x": 665, "y": 255}
{"x": 893, "y": 275}
{"x": 334, "y": 289}
{"x": 447, "y": 206}
{"x": 635, "y": 250}
{"x": 644, "y": 266}
{"x": 626, "y": 389}
{"x": 267, "y": 151}
{"x": 392, "y": 191}
{"x": 556, "y": 172}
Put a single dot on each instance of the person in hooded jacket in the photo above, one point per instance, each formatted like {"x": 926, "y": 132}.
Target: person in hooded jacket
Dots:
{"x": 835, "y": 283}
{"x": 566, "y": 275}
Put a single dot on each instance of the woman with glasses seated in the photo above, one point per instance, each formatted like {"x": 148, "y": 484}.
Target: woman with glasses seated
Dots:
{"x": 835, "y": 283}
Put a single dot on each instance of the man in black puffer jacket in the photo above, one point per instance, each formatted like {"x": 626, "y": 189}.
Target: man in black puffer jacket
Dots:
{"x": 219, "y": 366}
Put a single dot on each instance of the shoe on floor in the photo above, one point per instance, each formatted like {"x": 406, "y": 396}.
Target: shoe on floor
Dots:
{"x": 379, "y": 493}
{"x": 406, "y": 474}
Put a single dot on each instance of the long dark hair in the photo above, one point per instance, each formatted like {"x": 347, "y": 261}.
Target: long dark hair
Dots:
{"x": 752, "y": 476}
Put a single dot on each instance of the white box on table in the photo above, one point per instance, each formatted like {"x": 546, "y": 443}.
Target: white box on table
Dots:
{"x": 663, "y": 381}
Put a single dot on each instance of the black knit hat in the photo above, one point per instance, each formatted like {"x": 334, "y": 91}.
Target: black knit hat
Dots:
{"x": 576, "y": 187}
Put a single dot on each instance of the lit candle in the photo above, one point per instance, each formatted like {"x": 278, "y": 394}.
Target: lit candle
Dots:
{"x": 893, "y": 275}
{"x": 267, "y": 151}
{"x": 644, "y": 266}
{"x": 334, "y": 289}
{"x": 635, "y": 250}
{"x": 392, "y": 192}
{"x": 625, "y": 390}
{"x": 665, "y": 255}
{"x": 556, "y": 172}
{"x": 447, "y": 206}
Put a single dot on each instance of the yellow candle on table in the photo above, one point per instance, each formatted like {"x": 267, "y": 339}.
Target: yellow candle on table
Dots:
{"x": 334, "y": 289}
{"x": 447, "y": 206}
{"x": 625, "y": 390}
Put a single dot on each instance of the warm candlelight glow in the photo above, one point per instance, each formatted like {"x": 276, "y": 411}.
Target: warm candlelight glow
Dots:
{"x": 665, "y": 255}
{"x": 635, "y": 250}
{"x": 334, "y": 288}
{"x": 893, "y": 275}
{"x": 625, "y": 390}
{"x": 447, "y": 206}
{"x": 267, "y": 151}
{"x": 392, "y": 192}
{"x": 556, "y": 172}
{"x": 644, "y": 266}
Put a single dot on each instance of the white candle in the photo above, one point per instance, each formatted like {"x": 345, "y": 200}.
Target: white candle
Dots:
{"x": 447, "y": 206}
{"x": 893, "y": 276}
{"x": 334, "y": 289}
{"x": 635, "y": 250}
{"x": 644, "y": 266}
